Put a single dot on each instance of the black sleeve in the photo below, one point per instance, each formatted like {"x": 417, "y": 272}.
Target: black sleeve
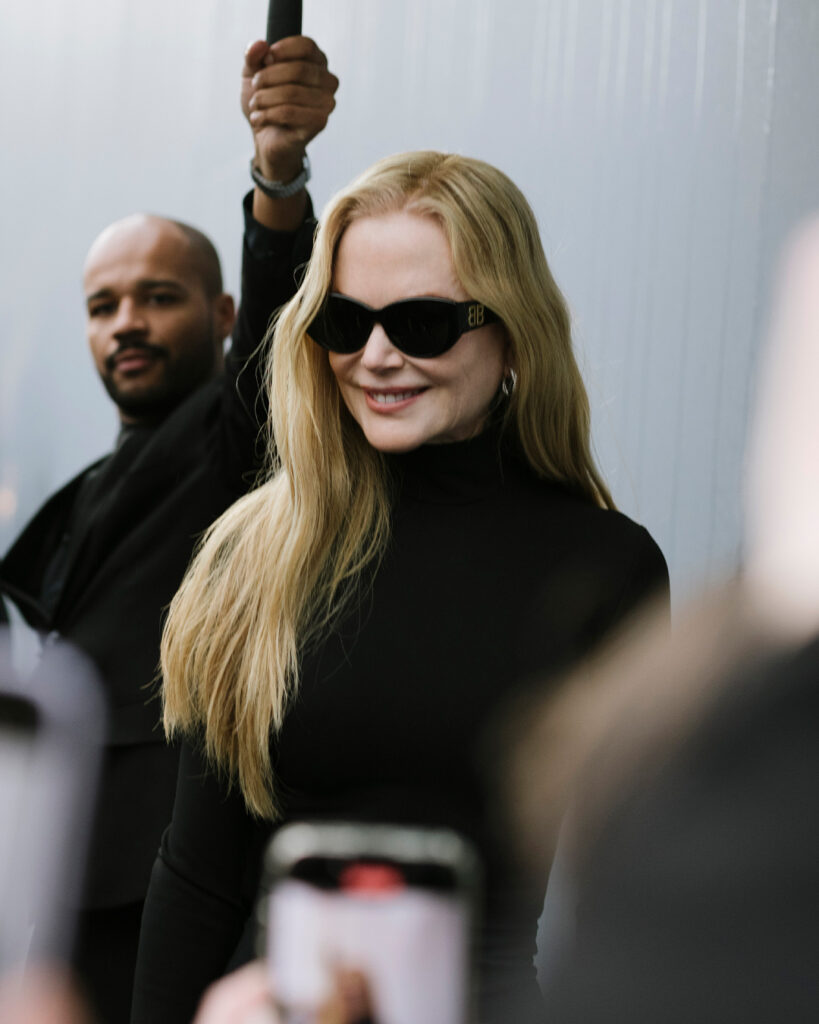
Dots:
{"x": 200, "y": 895}
{"x": 272, "y": 265}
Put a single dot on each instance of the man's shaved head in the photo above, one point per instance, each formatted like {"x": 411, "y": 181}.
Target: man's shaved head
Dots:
{"x": 203, "y": 254}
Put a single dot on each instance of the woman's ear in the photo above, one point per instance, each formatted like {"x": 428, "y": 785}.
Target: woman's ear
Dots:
{"x": 510, "y": 373}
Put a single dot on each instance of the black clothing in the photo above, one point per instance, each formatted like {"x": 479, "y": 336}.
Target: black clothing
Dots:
{"x": 699, "y": 901}
{"x": 101, "y": 560}
{"x": 491, "y": 576}
{"x": 106, "y": 948}
{"x": 97, "y": 482}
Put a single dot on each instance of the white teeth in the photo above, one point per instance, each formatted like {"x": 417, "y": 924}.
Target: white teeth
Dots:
{"x": 395, "y": 396}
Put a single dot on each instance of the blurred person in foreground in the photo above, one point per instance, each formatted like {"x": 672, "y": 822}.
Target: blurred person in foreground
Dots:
{"x": 100, "y": 561}
{"x": 433, "y": 532}
{"x": 686, "y": 882}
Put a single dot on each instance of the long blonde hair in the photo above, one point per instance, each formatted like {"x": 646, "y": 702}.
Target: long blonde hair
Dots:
{"x": 274, "y": 571}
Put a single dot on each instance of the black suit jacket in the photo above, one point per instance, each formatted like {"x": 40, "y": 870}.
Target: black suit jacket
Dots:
{"x": 125, "y": 570}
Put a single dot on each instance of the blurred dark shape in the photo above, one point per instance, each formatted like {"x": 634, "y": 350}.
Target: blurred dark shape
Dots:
{"x": 696, "y": 889}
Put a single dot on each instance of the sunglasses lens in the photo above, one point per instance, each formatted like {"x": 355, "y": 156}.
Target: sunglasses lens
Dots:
{"x": 424, "y": 328}
{"x": 420, "y": 327}
{"x": 342, "y": 325}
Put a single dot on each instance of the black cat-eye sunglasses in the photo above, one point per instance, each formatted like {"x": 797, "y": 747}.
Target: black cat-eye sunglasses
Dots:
{"x": 422, "y": 328}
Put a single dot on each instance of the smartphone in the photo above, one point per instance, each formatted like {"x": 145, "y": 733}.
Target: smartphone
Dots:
{"x": 397, "y": 904}
{"x": 51, "y": 733}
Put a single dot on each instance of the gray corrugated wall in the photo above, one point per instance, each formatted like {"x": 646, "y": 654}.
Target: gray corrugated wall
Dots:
{"x": 666, "y": 145}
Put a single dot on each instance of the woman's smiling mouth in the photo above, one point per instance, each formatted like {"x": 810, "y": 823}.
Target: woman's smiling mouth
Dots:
{"x": 391, "y": 399}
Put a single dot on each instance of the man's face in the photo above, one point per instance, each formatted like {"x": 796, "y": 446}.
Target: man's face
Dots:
{"x": 154, "y": 332}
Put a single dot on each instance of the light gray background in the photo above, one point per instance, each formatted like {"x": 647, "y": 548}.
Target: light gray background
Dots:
{"x": 667, "y": 147}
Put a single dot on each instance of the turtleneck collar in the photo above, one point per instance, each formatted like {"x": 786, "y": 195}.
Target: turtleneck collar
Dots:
{"x": 456, "y": 473}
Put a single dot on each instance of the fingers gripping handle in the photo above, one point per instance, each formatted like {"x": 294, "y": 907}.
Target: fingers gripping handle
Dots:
{"x": 283, "y": 19}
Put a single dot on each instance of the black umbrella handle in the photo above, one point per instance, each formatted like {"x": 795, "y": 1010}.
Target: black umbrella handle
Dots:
{"x": 283, "y": 19}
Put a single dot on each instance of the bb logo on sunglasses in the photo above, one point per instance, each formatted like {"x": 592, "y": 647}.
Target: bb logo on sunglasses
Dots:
{"x": 475, "y": 316}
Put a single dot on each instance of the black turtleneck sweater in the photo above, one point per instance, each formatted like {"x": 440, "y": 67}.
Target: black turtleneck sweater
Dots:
{"x": 492, "y": 577}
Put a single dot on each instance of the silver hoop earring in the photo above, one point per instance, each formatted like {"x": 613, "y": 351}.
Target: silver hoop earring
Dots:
{"x": 509, "y": 383}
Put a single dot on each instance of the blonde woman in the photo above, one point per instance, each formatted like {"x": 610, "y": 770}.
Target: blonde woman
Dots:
{"x": 432, "y": 533}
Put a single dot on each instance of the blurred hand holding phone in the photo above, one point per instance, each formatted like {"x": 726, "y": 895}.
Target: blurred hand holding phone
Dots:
{"x": 394, "y": 905}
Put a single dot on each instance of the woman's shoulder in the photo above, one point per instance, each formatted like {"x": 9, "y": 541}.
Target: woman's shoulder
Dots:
{"x": 554, "y": 499}
{"x": 599, "y": 541}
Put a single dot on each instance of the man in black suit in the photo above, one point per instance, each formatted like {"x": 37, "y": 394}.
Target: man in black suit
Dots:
{"x": 100, "y": 561}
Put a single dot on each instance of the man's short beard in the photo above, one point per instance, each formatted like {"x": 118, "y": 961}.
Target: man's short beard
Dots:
{"x": 152, "y": 404}
{"x": 179, "y": 381}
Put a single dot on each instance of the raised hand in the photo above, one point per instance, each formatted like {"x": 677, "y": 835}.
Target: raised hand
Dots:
{"x": 287, "y": 96}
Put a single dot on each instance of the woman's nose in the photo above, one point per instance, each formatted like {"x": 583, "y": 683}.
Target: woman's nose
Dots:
{"x": 379, "y": 353}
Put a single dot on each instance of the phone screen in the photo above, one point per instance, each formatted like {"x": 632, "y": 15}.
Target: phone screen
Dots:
{"x": 18, "y": 772}
{"x": 405, "y": 926}
{"x": 50, "y": 735}
{"x": 18, "y": 726}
